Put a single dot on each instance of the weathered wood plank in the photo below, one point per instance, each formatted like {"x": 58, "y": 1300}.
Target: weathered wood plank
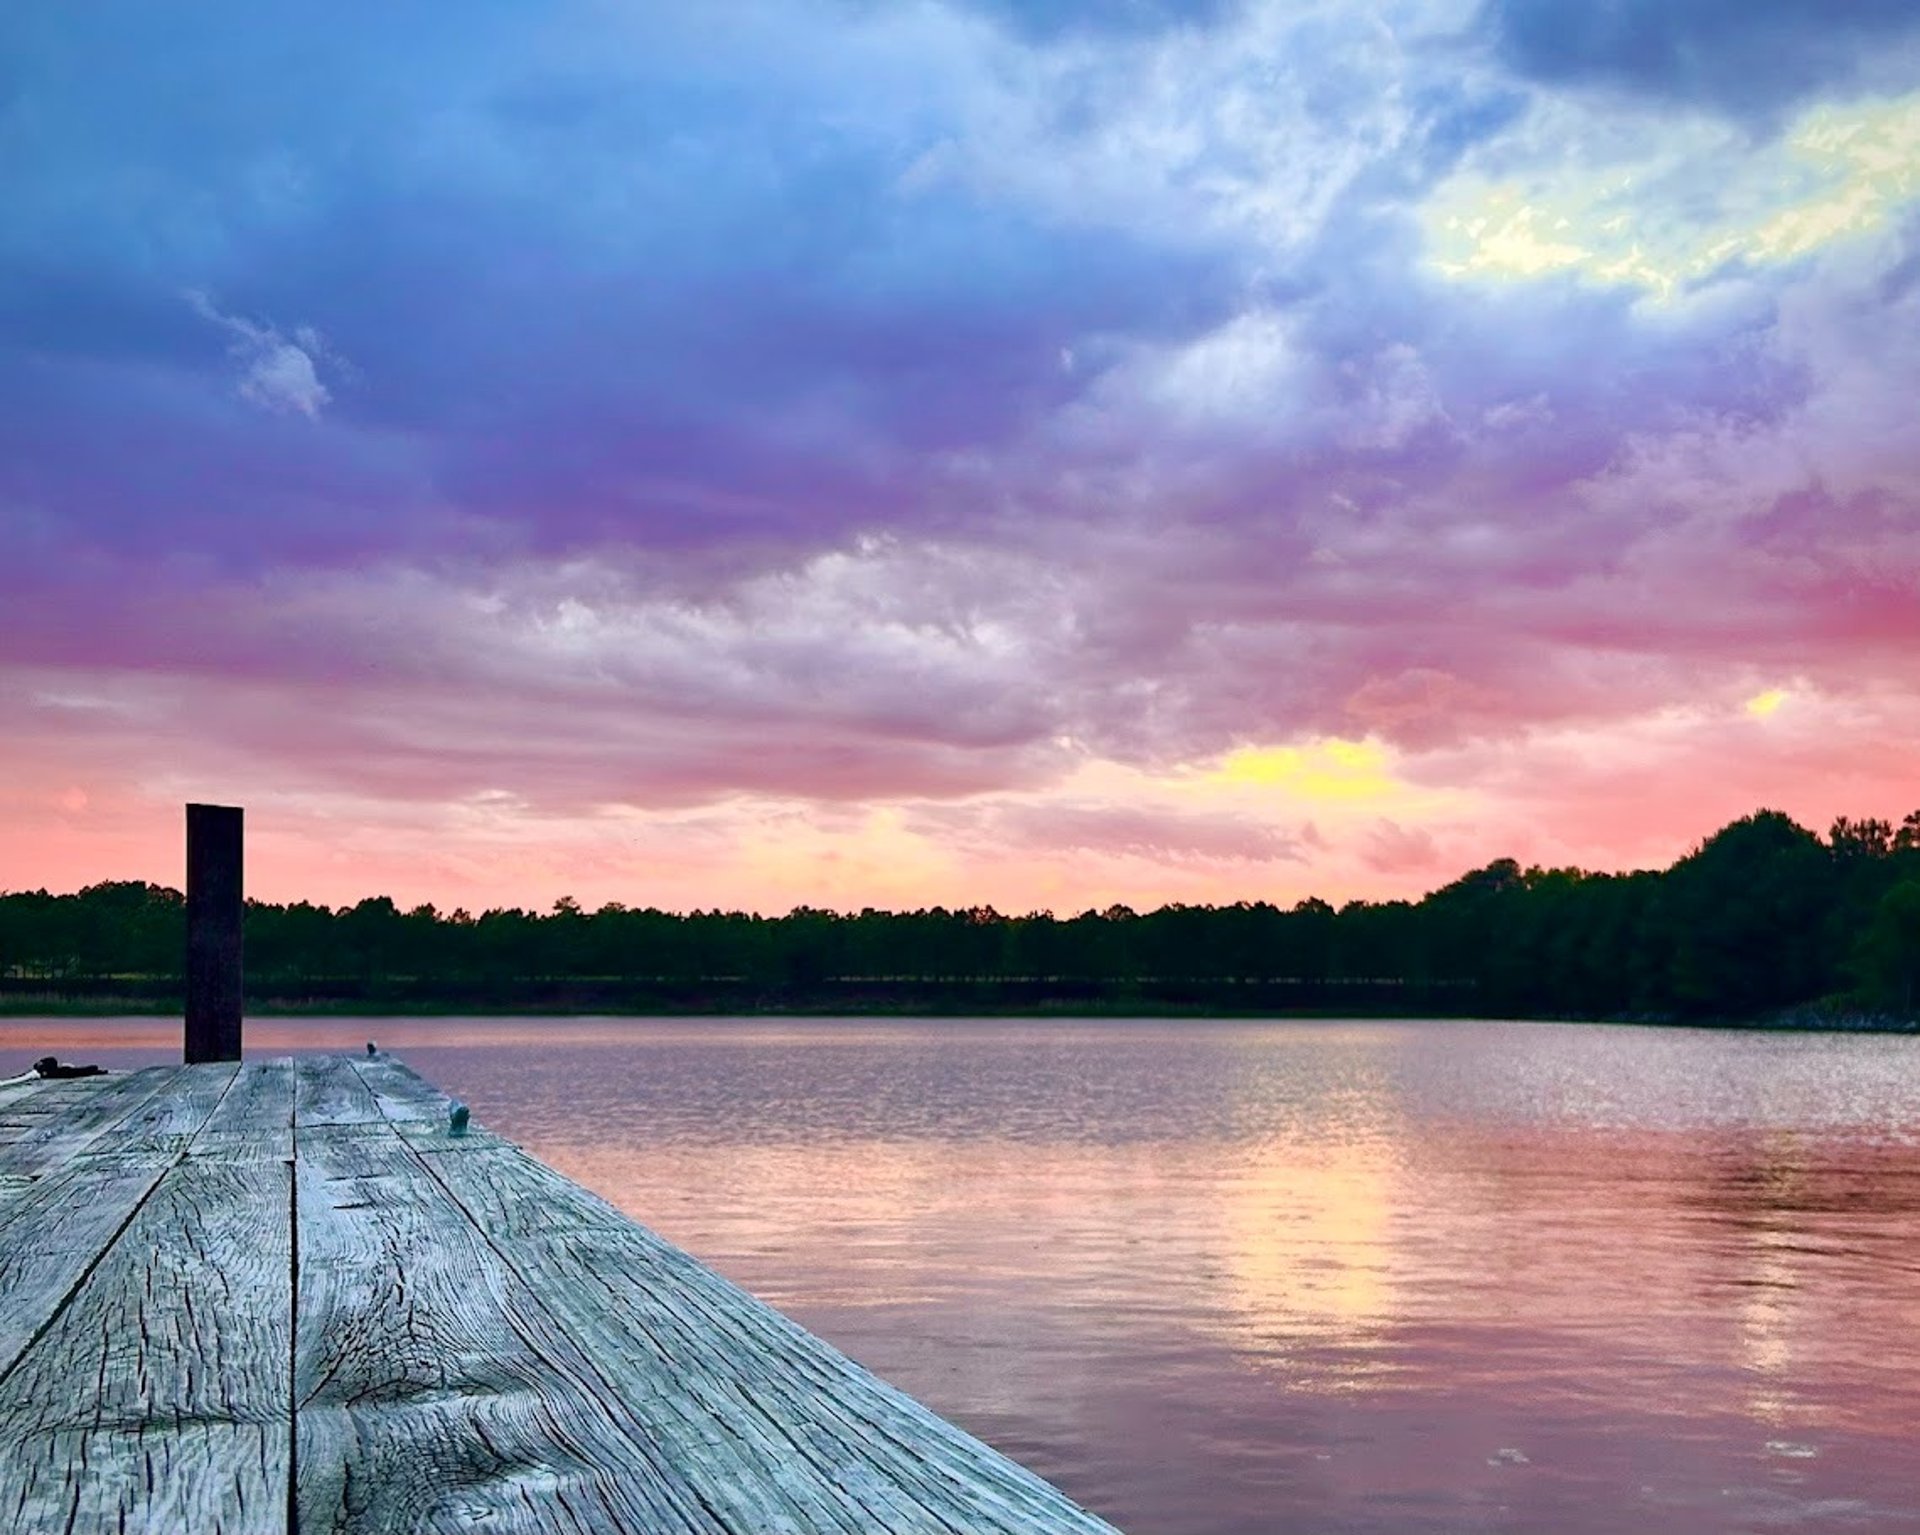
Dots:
{"x": 429, "y": 1138}
{"x": 435, "y": 1135}
{"x": 253, "y": 1122}
{"x": 40, "y": 1103}
{"x": 158, "y": 1398}
{"x": 14, "y": 1089}
{"x": 52, "y": 1232}
{"x": 98, "y": 1108}
{"x": 402, "y": 1093}
{"x": 433, "y": 1390}
{"x": 16, "y": 1119}
{"x": 740, "y": 1462}
{"x": 172, "y": 1116}
{"x": 50, "y": 1099}
{"x": 328, "y": 1091}
{"x": 417, "y": 1109}
{"x": 793, "y": 1408}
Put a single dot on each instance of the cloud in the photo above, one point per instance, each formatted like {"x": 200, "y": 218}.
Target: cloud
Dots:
{"x": 1745, "y": 57}
{"x": 277, "y": 373}
{"x": 882, "y": 671}
{"x": 1251, "y": 123}
{"x": 713, "y": 445}
{"x": 1513, "y": 415}
{"x": 1155, "y": 834}
{"x": 1051, "y": 20}
{"x": 1395, "y": 849}
{"x": 1651, "y": 786}
{"x": 1668, "y": 206}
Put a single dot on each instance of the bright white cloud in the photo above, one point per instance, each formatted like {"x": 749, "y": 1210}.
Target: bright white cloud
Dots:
{"x": 277, "y": 372}
{"x": 1660, "y": 204}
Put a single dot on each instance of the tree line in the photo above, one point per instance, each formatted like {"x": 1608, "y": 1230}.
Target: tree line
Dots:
{"x": 1762, "y": 916}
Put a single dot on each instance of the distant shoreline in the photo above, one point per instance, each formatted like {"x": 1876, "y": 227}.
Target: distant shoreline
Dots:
{"x": 1752, "y": 926}
{"x": 1827, "y": 1017}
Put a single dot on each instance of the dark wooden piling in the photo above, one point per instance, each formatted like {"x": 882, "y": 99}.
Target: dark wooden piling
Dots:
{"x": 214, "y": 912}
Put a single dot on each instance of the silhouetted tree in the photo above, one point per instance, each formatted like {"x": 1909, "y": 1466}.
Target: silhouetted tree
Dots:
{"x": 1745, "y": 910}
{"x": 1760, "y": 916}
{"x": 1886, "y": 958}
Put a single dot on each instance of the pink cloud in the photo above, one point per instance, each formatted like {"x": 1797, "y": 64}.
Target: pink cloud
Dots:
{"x": 1152, "y": 833}
{"x": 1399, "y": 850}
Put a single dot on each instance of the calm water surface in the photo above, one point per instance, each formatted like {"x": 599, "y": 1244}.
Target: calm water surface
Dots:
{"x": 1235, "y": 1277}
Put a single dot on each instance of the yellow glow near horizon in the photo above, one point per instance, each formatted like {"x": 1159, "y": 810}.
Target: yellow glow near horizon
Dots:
{"x": 1328, "y": 769}
{"x": 1678, "y": 214}
{"x": 1763, "y": 704}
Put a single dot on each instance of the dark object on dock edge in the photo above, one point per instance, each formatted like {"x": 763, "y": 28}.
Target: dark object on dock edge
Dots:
{"x": 49, "y": 1066}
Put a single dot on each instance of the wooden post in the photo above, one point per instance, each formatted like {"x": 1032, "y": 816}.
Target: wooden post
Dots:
{"x": 214, "y": 910}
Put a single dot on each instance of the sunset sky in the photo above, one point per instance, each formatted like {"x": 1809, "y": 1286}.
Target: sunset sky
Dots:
{"x": 888, "y": 452}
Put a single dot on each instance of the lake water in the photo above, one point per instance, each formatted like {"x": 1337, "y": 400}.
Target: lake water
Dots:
{"x": 1248, "y": 1277}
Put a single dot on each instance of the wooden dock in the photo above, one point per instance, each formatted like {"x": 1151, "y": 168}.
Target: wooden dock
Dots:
{"x": 286, "y": 1296}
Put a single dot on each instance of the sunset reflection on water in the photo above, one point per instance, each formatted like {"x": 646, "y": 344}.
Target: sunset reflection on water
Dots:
{"x": 1246, "y": 1277}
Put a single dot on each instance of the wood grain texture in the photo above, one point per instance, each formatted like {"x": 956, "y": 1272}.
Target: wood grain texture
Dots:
{"x": 434, "y": 1391}
{"x": 17, "y": 1118}
{"x": 32, "y": 1105}
{"x": 402, "y": 1093}
{"x": 172, "y": 1116}
{"x": 50, "y": 1093}
{"x": 328, "y": 1091}
{"x": 157, "y": 1399}
{"x": 14, "y": 1090}
{"x": 253, "y": 1121}
{"x": 54, "y": 1230}
{"x": 690, "y": 1347}
{"x": 417, "y": 1109}
{"x": 57, "y": 1096}
{"x": 428, "y": 1137}
{"x": 87, "y": 1111}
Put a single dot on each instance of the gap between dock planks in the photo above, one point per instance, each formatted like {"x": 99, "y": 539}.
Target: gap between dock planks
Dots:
{"x": 283, "y": 1297}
